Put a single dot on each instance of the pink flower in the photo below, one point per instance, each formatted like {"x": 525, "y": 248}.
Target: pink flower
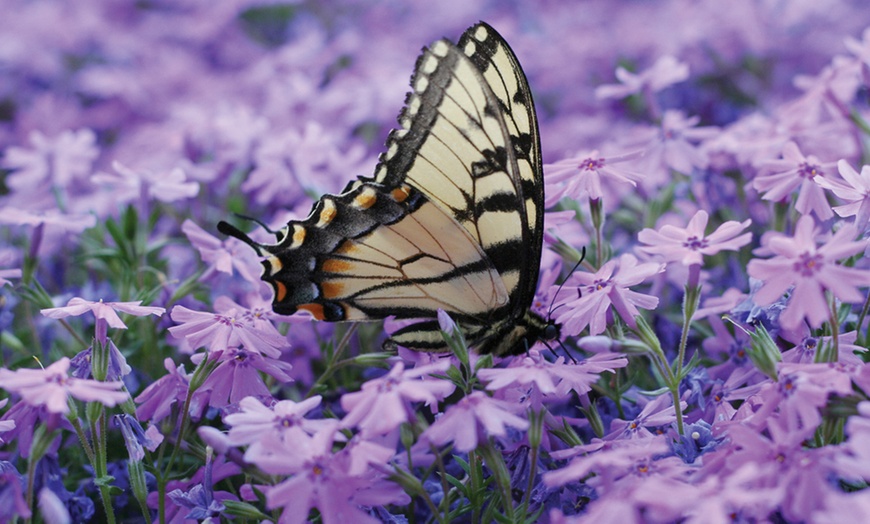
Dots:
{"x": 285, "y": 421}
{"x": 220, "y": 331}
{"x": 51, "y": 387}
{"x": 52, "y": 161}
{"x": 674, "y": 244}
{"x": 239, "y": 375}
{"x": 584, "y": 175}
{"x": 553, "y": 380}
{"x": 103, "y": 311}
{"x": 129, "y": 185}
{"x": 473, "y": 418}
{"x": 323, "y": 479}
{"x": 778, "y": 179}
{"x": 672, "y": 145}
{"x": 607, "y": 287}
{"x": 655, "y": 414}
{"x": 855, "y": 191}
{"x": 811, "y": 270}
{"x": 383, "y": 404}
{"x": 665, "y": 72}
{"x": 222, "y": 255}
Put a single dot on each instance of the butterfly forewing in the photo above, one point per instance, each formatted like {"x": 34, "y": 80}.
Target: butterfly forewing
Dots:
{"x": 456, "y": 147}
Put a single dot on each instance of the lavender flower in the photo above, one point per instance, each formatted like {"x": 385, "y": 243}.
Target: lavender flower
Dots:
{"x": 52, "y": 387}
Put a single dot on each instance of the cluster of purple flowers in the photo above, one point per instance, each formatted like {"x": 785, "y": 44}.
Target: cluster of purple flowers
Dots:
{"x": 709, "y": 156}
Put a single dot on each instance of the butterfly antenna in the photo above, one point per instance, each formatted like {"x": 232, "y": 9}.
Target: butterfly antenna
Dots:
{"x": 259, "y": 223}
{"x": 573, "y": 269}
{"x": 230, "y": 230}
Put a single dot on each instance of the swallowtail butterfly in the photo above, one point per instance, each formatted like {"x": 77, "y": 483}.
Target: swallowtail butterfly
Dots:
{"x": 452, "y": 218}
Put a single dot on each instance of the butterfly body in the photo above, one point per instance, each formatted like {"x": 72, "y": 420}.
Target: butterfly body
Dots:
{"x": 452, "y": 218}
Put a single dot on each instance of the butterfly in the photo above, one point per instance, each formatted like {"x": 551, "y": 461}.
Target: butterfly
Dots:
{"x": 452, "y": 218}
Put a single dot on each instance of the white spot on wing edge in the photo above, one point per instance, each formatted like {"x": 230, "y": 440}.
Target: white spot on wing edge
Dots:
{"x": 481, "y": 34}
{"x": 440, "y": 48}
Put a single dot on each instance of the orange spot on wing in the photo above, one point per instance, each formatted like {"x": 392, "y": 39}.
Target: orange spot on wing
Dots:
{"x": 346, "y": 247}
{"x": 334, "y": 265}
{"x": 298, "y": 235}
{"x": 314, "y": 309}
{"x": 366, "y": 199}
{"x": 328, "y": 213}
{"x": 401, "y": 193}
{"x": 331, "y": 290}
{"x": 280, "y": 291}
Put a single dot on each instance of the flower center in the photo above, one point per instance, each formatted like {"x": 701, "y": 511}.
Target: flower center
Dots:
{"x": 808, "y": 264}
{"x": 806, "y": 170}
{"x": 591, "y": 164}
{"x": 694, "y": 243}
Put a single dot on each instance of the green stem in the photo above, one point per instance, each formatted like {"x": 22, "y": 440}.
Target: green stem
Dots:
{"x": 831, "y": 352}
{"x": 862, "y": 338}
{"x": 495, "y": 461}
{"x": 101, "y": 471}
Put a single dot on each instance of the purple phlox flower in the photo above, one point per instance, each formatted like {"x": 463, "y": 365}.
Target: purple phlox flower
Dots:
{"x": 233, "y": 133}
{"x": 12, "y": 487}
{"x": 52, "y": 218}
{"x": 238, "y": 375}
{"x": 802, "y": 390}
{"x": 156, "y": 401}
{"x": 811, "y": 270}
{"x": 672, "y": 145}
{"x": 862, "y": 51}
{"x": 384, "y": 403}
{"x": 583, "y": 175}
{"x": 853, "y": 189}
{"x": 826, "y": 95}
{"x": 852, "y": 462}
{"x": 51, "y": 387}
{"x": 222, "y": 255}
{"x": 732, "y": 389}
{"x": 196, "y": 493}
{"x": 104, "y": 312}
{"x": 258, "y": 311}
{"x": 219, "y": 331}
{"x": 56, "y": 161}
{"x": 737, "y": 496}
{"x": 656, "y": 413}
{"x": 796, "y": 477}
{"x": 286, "y": 162}
{"x": 553, "y": 380}
{"x": 666, "y": 71}
{"x": 842, "y": 507}
{"x": 49, "y": 474}
{"x": 563, "y": 226}
{"x": 610, "y": 460}
{"x": 714, "y": 307}
{"x": 320, "y": 478}
{"x": 135, "y": 438}
{"x": 806, "y": 346}
{"x": 473, "y": 418}
{"x": 689, "y": 245}
{"x": 26, "y": 419}
{"x": 285, "y": 421}
{"x": 200, "y": 499}
{"x": 778, "y": 179}
{"x": 129, "y": 185}
{"x": 609, "y": 286}
{"x": 117, "y": 370}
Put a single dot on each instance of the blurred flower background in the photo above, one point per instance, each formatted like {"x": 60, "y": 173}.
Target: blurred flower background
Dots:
{"x": 710, "y": 156}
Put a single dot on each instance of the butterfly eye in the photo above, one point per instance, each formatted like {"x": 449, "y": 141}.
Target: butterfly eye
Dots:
{"x": 551, "y": 332}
